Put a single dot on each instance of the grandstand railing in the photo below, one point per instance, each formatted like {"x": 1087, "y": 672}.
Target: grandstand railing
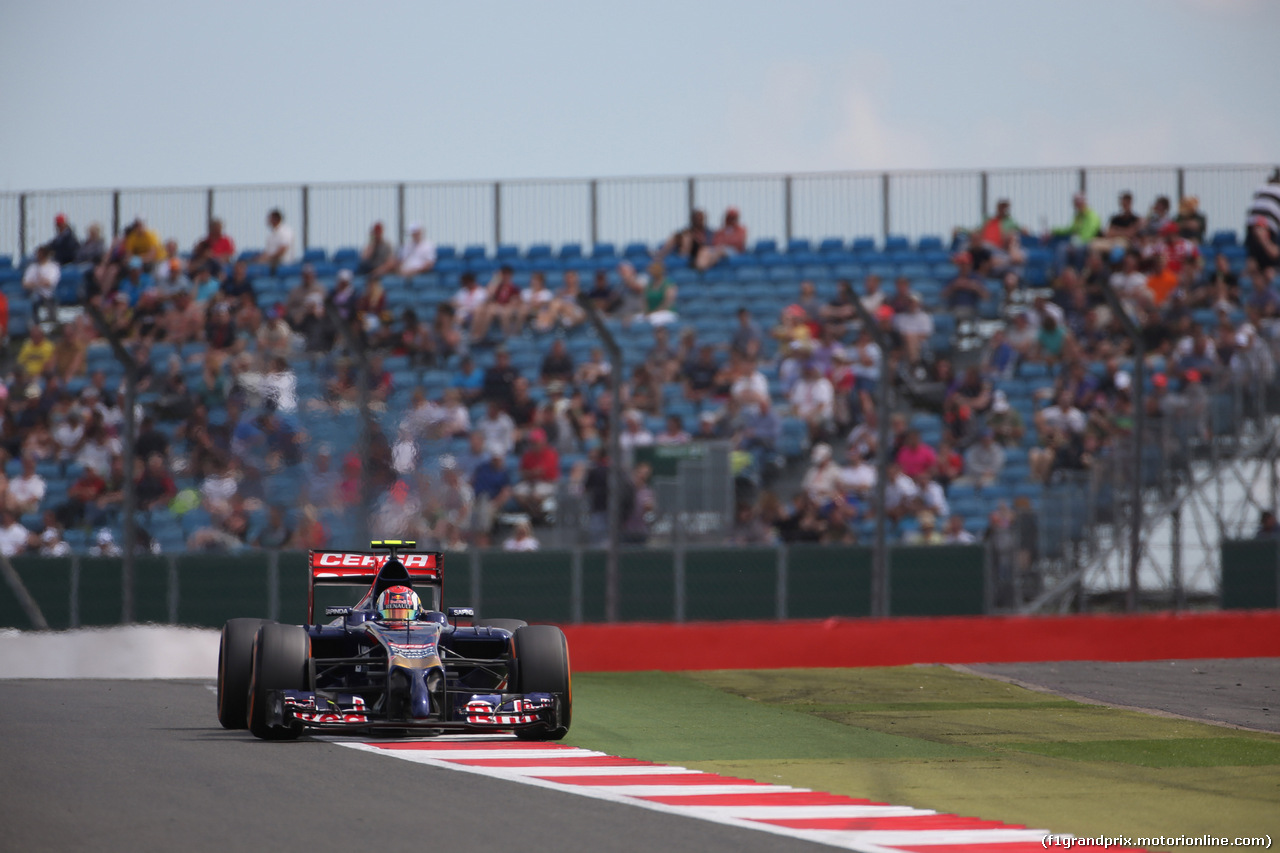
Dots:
{"x": 589, "y": 211}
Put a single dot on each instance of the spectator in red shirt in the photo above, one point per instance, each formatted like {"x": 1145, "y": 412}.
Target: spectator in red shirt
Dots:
{"x": 539, "y": 473}
{"x": 916, "y": 457}
{"x": 216, "y": 249}
{"x": 729, "y": 240}
{"x": 155, "y": 488}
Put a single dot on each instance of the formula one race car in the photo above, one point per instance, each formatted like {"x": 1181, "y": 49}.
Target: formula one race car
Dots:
{"x": 394, "y": 660}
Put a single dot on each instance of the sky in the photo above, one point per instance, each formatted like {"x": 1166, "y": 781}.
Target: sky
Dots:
{"x": 146, "y": 93}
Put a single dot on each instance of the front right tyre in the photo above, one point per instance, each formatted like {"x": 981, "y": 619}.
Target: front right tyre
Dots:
{"x": 235, "y": 664}
{"x": 542, "y": 661}
{"x": 280, "y": 656}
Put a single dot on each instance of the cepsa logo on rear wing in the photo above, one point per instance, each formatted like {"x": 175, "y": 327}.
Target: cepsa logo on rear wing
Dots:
{"x": 348, "y": 566}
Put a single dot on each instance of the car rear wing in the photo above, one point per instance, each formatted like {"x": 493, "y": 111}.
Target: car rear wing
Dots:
{"x": 361, "y": 568}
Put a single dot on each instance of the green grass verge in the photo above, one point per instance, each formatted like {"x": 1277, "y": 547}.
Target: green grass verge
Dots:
{"x": 933, "y": 738}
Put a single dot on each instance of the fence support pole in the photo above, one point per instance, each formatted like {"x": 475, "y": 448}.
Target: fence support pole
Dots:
{"x": 986, "y": 204}
{"x": 22, "y": 227}
{"x": 1139, "y": 439}
{"x": 1083, "y": 182}
{"x": 1175, "y": 563}
{"x": 1182, "y": 185}
{"x": 786, "y": 200}
{"x": 115, "y": 213}
{"x": 400, "y": 223}
{"x": 611, "y": 575}
{"x": 692, "y": 192}
{"x": 306, "y": 217}
{"x": 884, "y": 203}
{"x": 208, "y": 209}
{"x": 595, "y": 212}
{"x": 497, "y": 214}
{"x": 780, "y": 589}
{"x": 130, "y": 507}
{"x": 880, "y": 550}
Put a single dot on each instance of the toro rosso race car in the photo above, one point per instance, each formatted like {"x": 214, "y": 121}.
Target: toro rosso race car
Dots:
{"x": 396, "y": 659}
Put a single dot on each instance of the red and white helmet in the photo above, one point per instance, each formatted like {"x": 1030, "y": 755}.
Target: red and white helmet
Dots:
{"x": 398, "y": 604}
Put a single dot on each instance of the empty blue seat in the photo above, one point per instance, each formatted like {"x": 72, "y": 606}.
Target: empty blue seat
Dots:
{"x": 1222, "y": 239}
{"x": 766, "y": 246}
{"x": 929, "y": 242}
{"x": 474, "y": 252}
{"x": 507, "y": 252}
{"x": 797, "y": 244}
{"x": 831, "y": 245}
{"x": 896, "y": 243}
{"x": 570, "y": 250}
{"x": 313, "y": 255}
{"x": 538, "y": 251}
{"x": 603, "y": 250}
{"x": 445, "y": 252}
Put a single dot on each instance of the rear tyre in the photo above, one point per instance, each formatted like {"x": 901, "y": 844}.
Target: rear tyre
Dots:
{"x": 542, "y": 661}
{"x": 505, "y": 624}
{"x": 235, "y": 664}
{"x": 280, "y": 655}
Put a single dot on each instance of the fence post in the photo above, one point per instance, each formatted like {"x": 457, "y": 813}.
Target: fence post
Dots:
{"x": 986, "y": 204}
{"x": 22, "y": 226}
{"x": 115, "y": 213}
{"x": 884, "y": 201}
{"x": 575, "y": 586}
{"x": 208, "y": 208}
{"x": 678, "y": 572}
{"x": 786, "y": 199}
{"x": 400, "y": 214}
{"x": 780, "y": 589}
{"x": 497, "y": 214}
{"x": 692, "y": 194}
{"x": 1182, "y": 185}
{"x": 595, "y": 212}
{"x": 306, "y": 218}
{"x": 1084, "y": 182}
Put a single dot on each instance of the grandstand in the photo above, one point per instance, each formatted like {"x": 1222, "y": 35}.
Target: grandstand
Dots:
{"x": 318, "y": 411}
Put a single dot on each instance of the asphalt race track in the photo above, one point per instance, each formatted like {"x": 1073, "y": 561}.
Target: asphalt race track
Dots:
{"x": 143, "y": 766}
{"x": 1241, "y": 692}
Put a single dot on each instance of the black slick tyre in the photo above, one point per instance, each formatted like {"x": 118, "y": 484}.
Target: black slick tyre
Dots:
{"x": 280, "y": 655}
{"x": 542, "y": 661}
{"x": 235, "y": 662}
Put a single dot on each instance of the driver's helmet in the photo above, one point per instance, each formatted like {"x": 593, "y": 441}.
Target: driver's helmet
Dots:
{"x": 398, "y": 604}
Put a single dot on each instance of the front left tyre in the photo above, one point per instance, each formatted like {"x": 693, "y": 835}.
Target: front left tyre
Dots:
{"x": 542, "y": 660}
{"x": 235, "y": 664}
{"x": 280, "y": 655}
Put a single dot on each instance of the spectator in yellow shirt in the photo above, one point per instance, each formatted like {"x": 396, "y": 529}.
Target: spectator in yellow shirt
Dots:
{"x": 35, "y": 352}
{"x": 141, "y": 242}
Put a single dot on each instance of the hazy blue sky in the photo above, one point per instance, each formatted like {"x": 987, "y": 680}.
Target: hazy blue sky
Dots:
{"x": 151, "y": 93}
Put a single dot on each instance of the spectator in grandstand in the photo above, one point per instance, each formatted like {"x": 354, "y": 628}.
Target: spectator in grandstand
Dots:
{"x": 634, "y": 434}
{"x": 535, "y": 304}
{"x": 27, "y": 490}
{"x": 803, "y": 522}
{"x": 373, "y": 313}
{"x": 143, "y": 243}
{"x": 36, "y": 352}
{"x": 662, "y": 361}
{"x": 468, "y": 379}
{"x": 557, "y": 364}
{"x": 673, "y": 433}
{"x": 1218, "y": 287}
{"x": 522, "y": 407}
{"x": 311, "y": 532}
{"x": 1262, "y": 239}
{"x": 747, "y": 337}
{"x": 984, "y": 460}
{"x": 928, "y": 534}
{"x": 155, "y": 488}
{"x": 500, "y": 379}
{"x": 14, "y": 537}
{"x": 966, "y": 291}
{"x": 539, "y": 474}
{"x": 955, "y": 534}
{"x": 40, "y": 280}
{"x": 276, "y": 533}
{"x": 1157, "y": 218}
{"x": 915, "y": 457}
{"x": 65, "y": 245}
{"x": 215, "y": 249}
{"x": 700, "y": 374}
{"x": 602, "y": 295}
{"x": 468, "y": 299}
{"x": 690, "y": 241}
{"x": 821, "y": 482}
{"x": 82, "y": 498}
{"x": 564, "y": 311}
{"x": 377, "y": 253}
{"x": 915, "y": 325}
{"x": 501, "y": 302}
{"x": 872, "y": 296}
{"x": 491, "y": 484}
{"x": 1074, "y": 239}
{"x": 812, "y": 400}
{"x": 730, "y": 239}
{"x": 1122, "y": 228}
{"x": 93, "y": 249}
{"x": 498, "y": 428}
{"x": 321, "y": 487}
{"x": 1190, "y": 221}
{"x": 1268, "y": 527}
{"x": 303, "y": 297}
{"x": 839, "y": 311}
{"x": 594, "y": 371}
{"x": 749, "y": 385}
{"x": 656, "y": 294}
{"x": 521, "y": 539}
{"x": 418, "y": 255}
{"x": 643, "y": 506}
{"x": 281, "y": 243}
{"x": 997, "y": 244}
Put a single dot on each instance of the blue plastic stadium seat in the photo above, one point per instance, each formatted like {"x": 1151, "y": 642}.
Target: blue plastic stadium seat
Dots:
{"x": 570, "y": 250}
{"x": 474, "y": 252}
{"x": 862, "y": 245}
{"x": 6, "y": 262}
{"x": 346, "y": 257}
{"x": 603, "y": 250}
{"x": 766, "y": 247}
{"x": 248, "y": 255}
{"x": 896, "y": 242}
{"x": 1222, "y": 239}
{"x": 507, "y": 252}
{"x": 445, "y": 252}
{"x": 929, "y": 243}
{"x": 831, "y": 245}
{"x": 798, "y": 244}
{"x": 538, "y": 251}
{"x": 636, "y": 250}
{"x": 313, "y": 255}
